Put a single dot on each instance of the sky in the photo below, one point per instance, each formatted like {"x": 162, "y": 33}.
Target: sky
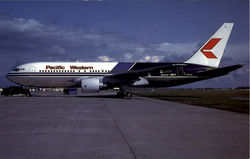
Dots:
{"x": 124, "y": 31}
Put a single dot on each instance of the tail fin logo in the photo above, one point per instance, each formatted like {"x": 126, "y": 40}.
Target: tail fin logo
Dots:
{"x": 206, "y": 50}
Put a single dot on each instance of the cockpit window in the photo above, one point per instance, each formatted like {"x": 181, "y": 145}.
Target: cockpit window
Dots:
{"x": 17, "y": 69}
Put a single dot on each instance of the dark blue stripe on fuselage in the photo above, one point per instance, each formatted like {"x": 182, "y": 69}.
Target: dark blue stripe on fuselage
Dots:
{"x": 123, "y": 66}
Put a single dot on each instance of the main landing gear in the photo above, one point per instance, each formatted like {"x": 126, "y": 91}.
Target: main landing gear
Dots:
{"x": 122, "y": 94}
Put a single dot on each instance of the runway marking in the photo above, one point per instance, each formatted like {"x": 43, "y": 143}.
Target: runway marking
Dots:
{"x": 117, "y": 125}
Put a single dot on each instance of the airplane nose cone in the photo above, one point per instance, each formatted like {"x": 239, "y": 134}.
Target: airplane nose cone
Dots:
{"x": 9, "y": 77}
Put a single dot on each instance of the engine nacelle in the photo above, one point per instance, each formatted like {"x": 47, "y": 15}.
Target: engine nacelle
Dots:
{"x": 91, "y": 84}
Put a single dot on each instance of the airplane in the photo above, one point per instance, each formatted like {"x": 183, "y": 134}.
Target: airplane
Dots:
{"x": 96, "y": 76}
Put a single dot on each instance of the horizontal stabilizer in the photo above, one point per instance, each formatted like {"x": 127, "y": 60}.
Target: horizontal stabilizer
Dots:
{"x": 219, "y": 71}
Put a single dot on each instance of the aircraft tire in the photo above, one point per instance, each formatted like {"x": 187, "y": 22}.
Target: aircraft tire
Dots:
{"x": 122, "y": 94}
{"x": 128, "y": 94}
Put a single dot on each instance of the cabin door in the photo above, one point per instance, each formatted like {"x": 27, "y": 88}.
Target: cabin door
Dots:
{"x": 32, "y": 69}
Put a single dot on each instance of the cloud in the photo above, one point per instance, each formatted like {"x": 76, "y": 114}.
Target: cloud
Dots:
{"x": 128, "y": 56}
{"x": 177, "y": 48}
{"x": 19, "y": 25}
{"x": 56, "y": 51}
{"x": 105, "y": 59}
{"x": 151, "y": 58}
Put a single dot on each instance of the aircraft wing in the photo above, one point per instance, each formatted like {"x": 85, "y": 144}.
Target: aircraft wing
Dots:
{"x": 133, "y": 75}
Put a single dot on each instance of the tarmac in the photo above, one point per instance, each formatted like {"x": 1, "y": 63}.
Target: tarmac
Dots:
{"x": 106, "y": 127}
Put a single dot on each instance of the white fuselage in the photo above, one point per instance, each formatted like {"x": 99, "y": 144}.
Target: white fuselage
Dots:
{"x": 58, "y": 74}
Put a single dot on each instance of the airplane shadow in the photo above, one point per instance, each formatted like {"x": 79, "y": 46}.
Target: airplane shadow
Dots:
{"x": 100, "y": 96}
{"x": 82, "y": 96}
{"x": 170, "y": 96}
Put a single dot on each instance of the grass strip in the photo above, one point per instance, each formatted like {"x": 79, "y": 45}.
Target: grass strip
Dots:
{"x": 230, "y": 100}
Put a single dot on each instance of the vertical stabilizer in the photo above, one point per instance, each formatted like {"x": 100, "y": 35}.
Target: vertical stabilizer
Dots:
{"x": 211, "y": 52}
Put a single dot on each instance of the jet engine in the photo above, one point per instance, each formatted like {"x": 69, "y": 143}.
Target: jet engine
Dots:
{"x": 92, "y": 84}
